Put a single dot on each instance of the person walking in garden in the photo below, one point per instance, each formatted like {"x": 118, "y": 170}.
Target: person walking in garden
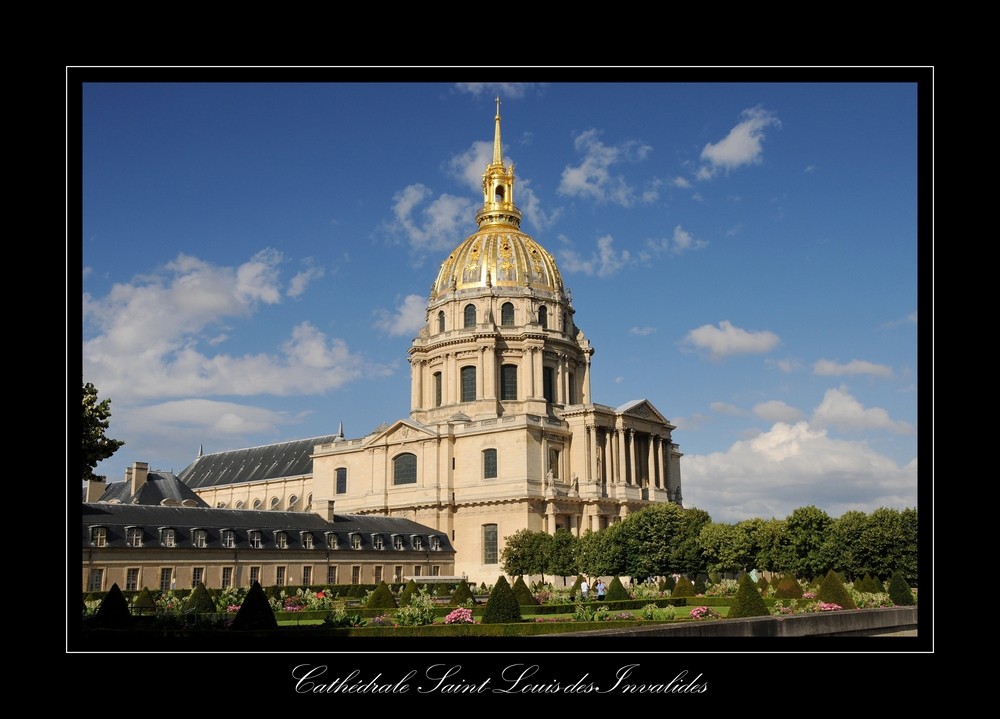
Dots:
{"x": 600, "y": 589}
{"x": 584, "y": 588}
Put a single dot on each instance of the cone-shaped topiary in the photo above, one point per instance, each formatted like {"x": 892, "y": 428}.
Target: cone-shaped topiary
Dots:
{"x": 144, "y": 603}
{"x": 899, "y": 591}
{"x": 668, "y": 583}
{"x": 683, "y": 588}
{"x": 713, "y": 577}
{"x": 833, "y": 591}
{"x": 616, "y": 591}
{"x": 699, "y": 585}
{"x": 113, "y": 612}
{"x": 575, "y": 591}
{"x": 462, "y": 594}
{"x": 255, "y": 612}
{"x": 199, "y": 601}
{"x": 502, "y": 606}
{"x": 521, "y": 591}
{"x": 762, "y": 584}
{"x": 877, "y": 583}
{"x": 381, "y": 598}
{"x": 408, "y": 591}
{"x": 788, "y": 588}
{"x": 747, "y": 602}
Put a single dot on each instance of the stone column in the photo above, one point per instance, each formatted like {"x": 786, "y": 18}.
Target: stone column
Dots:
{"x": 620, "y": 469}
{"x": 539, "y": 380}
{"x": 416, "y": 394}
{"x": 559, "y": 396}
{"x": 592, "y": 445}
{"x": 480, "y": 372}
{"x": 631, "y": 454}
{"x": 490, "y": 379}
{"x": 651, "y": 462}
{"x": 585, "y": 390}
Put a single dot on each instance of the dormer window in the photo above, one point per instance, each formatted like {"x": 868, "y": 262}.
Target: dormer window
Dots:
{"x": 256, "y": 542}
{"x": 99, "y": 536}
{"x": 435, "y": 544}
{"x": 418, "y": 542}
{"x": 331, "y": 542}
{"x": 200, "y": 538}
{"x": 133, "y": 537}
{"x": 281, "y": 540}
{"x": 168, "y": 537}
{"x": 355, "y": 540}
{"x": 307, "y": 540}
{"x": 397, "y": 542}
{"x": 378, "y": 542}
{"x": 228, "y": 538}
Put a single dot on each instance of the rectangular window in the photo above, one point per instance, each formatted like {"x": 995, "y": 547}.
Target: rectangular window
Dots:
{"x": 468, "y": 384}
{"x": 307, "y": 540}
{"x": 331, "y": 540}
{"x": 133, "y": 537}
{"x": 331, "y": 575}
{"x": 281, "y": 540}
{"x": 168, "y": 538}
{"x": 200, "y": 538}
{"x": 436, "y": 544}
{"x": 307, "y": 575}
{"x": 378, "y": 574}
{"x": 547, "y": 384}
{"x": 279, "y": 576}
{"x": 342, "y": 480}
{"x": 416, "y": 570}
{"x": 96, "y": 582}
{"x": 378, "y": 542}
{"x": 437, "y": 389}
{"x": 197, "y": 576}
{"x": 131, "y": 580}
{"x": 355, "y": 575}
{"x": 489, "y": 464}
{"x": 489, "y": 544}
{"x": 554, "y": 462}
{"x": 355, "y": 542}
{"x": 166, "y": 575}
{"x": 436, "y": 571}
{"x": 404, "y": 469}
{"x": 397, "y": 542}
{"x": 508, "y": 382}
{"x": 398, "y": 573}
{"x": 228, "y": 538}
{"x": 572, "y": 390}
{"x": 255, "y": 540}
{"x": 418, "y": 543}
{"x": 227, "y": 577}
{"x": 99, "y": 536}
{"x": 254, "y": 574}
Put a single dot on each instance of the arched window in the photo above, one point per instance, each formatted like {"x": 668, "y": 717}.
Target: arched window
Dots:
{"x": 275, "y": 502}
{"x": 257, "y": 503}
{"x": 489, "y": 544}
{"x": 404, "y": 469}
{"x": 342, "y": 480}
{"x": 489, "y": 464}
{"x": 547, "y": 384}
{"x": 508, "y": 382}
{"x": 437, "y": 389}
{"x": 441, "y": 321}
{"x": 470, "y": 317}
{"x": 468, "y": 384}
{"x": 507, "y": 314}
{"x": 499, "y": 194}
{"x": 543, "y": 317}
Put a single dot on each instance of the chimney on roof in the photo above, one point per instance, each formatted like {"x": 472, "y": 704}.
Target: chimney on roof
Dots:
{"x": 327, "y": 514}
{"x": 200, "y": 448}
{"x": 137, "y": 472}
{"x": 95, "y": 488}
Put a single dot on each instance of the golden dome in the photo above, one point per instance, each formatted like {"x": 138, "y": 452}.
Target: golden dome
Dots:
{"x": 498, "y": 256}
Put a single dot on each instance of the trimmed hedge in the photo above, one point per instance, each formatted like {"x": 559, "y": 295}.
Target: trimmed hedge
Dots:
{"x": 521, "y": 591}
{"x": 381, "y": 598}
{"x": 462, "y": 594}
{"x": 255, "y": 612}
{"x": 747, "y": 602}
{"x": 502, "y": 607}
{"x": 833, "y": 591}
{"x": 788, "y": 588}
{"x": 683, "y": 588}
{"x": 113, "y": 612}
{"x": 899, "y": 591}
{"x": 616, "y": 592}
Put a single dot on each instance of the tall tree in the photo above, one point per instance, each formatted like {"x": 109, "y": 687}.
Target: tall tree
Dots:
{"x": 805, "y": 532}
{"x": 524, "y": 553}
{"x": 96, "y": 419}
{"x": 561, "y": 559}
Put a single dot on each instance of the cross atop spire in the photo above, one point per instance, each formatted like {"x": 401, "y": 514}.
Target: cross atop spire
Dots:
{"x": 497, "y": 150}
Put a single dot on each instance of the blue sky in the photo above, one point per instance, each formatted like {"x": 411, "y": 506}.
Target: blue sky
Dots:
{"x": 257, "y": 258}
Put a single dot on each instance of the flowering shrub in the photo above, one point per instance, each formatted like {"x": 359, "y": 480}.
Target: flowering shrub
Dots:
{"x": 382, "y": 620}
{"x": 809, "y": 595}
{"x": 340, "y": 618}
{"x": 621, "y": 616}
{"x": 724, "y": 588}
{"x": 823, "y": 607}
{"x": 871, "y": 600}
{"x": 233, "y": 608}
{"x": 294, "y": 604}
{"x": 705, "y": 613}
{"x": 418, "y": 612}
{"x": 780, "y": 608}
{"x": 460, "y": 616}
{"x": 653, "y": 612}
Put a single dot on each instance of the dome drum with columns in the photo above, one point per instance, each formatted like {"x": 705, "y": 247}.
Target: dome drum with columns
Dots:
{"x": 503, "y": 433}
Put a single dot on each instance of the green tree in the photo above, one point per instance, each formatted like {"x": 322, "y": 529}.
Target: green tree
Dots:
{"x": 908, "y": 562}
{"x": 687, "y": 554}
{"x": 805, "y": 532}
{"x": 651, "y": 539}
{"x": 524, "y": 553}
{"x": 720, "y": 547}
{"x": 96, "y": 419}
{"x": 602, "y": 553}
{"x": 840, "y": 550}
{"x": 560, "y": 560}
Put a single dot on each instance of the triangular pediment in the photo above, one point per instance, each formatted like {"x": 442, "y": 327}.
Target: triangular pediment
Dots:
{"x": 402, "y": 430}
{"x": 643, "y": 409}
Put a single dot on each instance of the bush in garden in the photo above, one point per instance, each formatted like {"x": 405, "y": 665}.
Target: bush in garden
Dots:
{"x": 747, "y": 602}
{"x": 461, "y": 615}
{"x": 255, "y": 612}
{"x": 683, "y": 588}
{"x": 575, "y": 591}
{"x": 199, "y": 601}
{"x": 408, "y": 591}
{"x": 788, "y": 588}
{"x": 899, "y": 591}
{"x": 381, "y": 598}
{"x": 521, "y": 591}
{"x": 653, "y": 612}
{"x": 502, "y": 607}
{"x": 616, "y": 591}
{"x": 113, "y": 612}
{"x": 833, "y": 591}
{"x": 462, "y": 595}
{"x": 713, "y": 578}
{"x": 667, "y": 584}
{"x": 421, "y": 610}
{"x": 144, "y": 603}
{"x": 762, "y": 584}
{"x": 879, "y": 587}
{"x": 699, "y": 585}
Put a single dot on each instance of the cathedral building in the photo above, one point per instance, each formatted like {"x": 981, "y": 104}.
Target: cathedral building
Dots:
{"x": 503, "y": 432}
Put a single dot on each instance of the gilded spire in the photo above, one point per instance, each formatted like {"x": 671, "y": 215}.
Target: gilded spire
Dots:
{"x": 497, "y": 149}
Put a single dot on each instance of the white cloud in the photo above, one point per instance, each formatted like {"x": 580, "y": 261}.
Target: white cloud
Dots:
{"x": 205, "y": 418}
{"x": 409, "y": 318}
{"x": 777, "y": 411}
{"x": 531, "y": 206}
{"x": 725, "y": 408}
{"x": 442, "y": 227}
{"x": 791, "y": 364}
{"x": 642, "y": 330}
{"x": 810, "y": 168}
{"x": 909, "y": 319}
{"x": 680, "y": 243}
{"x": 840, "y": 409}
{"x": 504, "y": 89}
{"x": 143, "y": 337}
{"x": 298, "y": 284}
{"x": 742, "y": 146}
{"x": 692, "y": 423}
{"x": 619, "y": 380}
{"x": 592, "y": 178}
{"x": 728, "y": 340}
{"x": 606, "y": 261}
{"x": 827, "y": 367}
{"x": 470, "y": 165}
{"x": 681, "y": 182}
{"x": 793, "y": 466}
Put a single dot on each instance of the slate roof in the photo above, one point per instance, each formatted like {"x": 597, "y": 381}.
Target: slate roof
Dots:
{"x": 158, "y": 486}
{"x": 254, "y": 464}
{"x": 183, "y": 520}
